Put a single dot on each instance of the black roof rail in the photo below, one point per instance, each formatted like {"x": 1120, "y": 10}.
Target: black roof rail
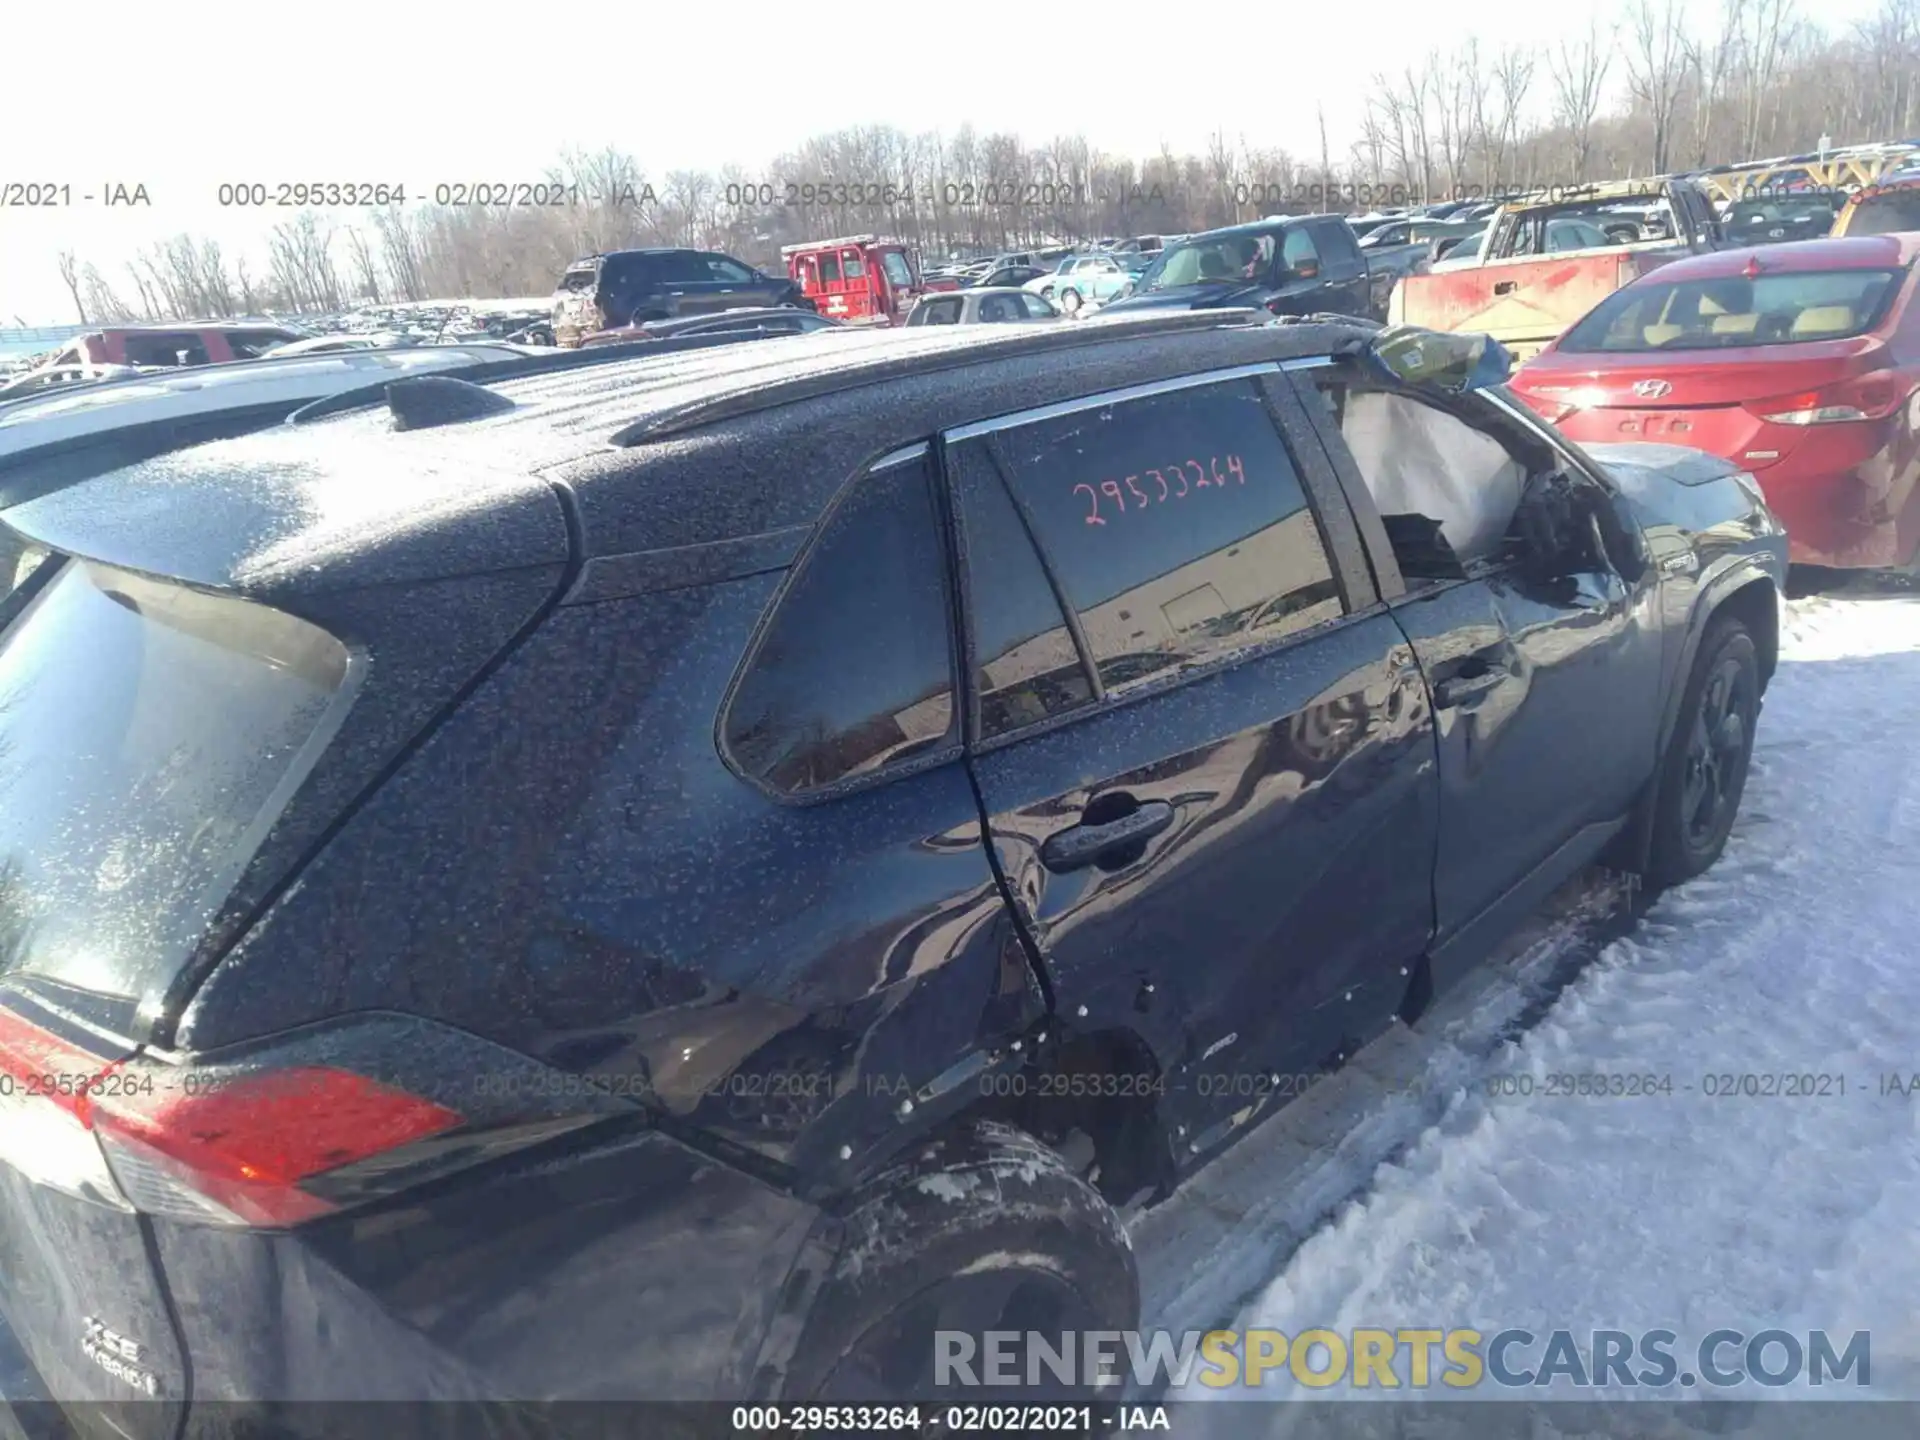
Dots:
{"x": 1036, "y": 340}
{"x": 483, "y": 371}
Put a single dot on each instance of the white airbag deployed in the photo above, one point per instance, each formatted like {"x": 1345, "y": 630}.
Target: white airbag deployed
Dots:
{"x": 1417, "y": 460}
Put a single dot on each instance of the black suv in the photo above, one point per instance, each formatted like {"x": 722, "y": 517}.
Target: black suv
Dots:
{"x": 676, "y": 878}
{"x": 1286, "y": 264}
{"x": 631, "y": 287}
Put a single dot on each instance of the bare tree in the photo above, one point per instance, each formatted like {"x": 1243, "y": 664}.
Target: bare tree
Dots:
{"x": 1891, "y": 42}
{"x": 1513, "y": 80}
{"x": 1713, "y": 63}
{"x": 1657, "y": 69}
{"x": 366, "y": 270}
{"x": 1455, "y": 82}
{"x": 100, "y": 299}
{"x": 70, "y": 277}
{"x": 1765, "y": 27}
{"x": 1579, "y": 73}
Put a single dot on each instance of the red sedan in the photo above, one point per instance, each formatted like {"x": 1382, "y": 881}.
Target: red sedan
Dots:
{"x": 1799, "y": 362}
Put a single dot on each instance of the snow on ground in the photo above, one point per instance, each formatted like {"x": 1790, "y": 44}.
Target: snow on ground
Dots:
{"x": 1408, "y": 1196}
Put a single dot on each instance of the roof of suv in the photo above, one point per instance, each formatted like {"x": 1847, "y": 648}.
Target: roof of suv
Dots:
{"x": 71, "y": 412}
{"x": 676, "y": 468}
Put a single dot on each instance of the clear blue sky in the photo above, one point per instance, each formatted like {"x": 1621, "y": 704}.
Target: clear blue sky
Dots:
{"x": 183, "y": 96}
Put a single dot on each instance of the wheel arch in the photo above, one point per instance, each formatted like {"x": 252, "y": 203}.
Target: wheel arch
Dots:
{"x": 1092, "y": 1096}
{"x": 1750, "y": 595}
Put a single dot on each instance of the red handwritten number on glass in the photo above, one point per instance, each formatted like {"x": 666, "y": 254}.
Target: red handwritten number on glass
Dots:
{"x": 1233, "y": 469}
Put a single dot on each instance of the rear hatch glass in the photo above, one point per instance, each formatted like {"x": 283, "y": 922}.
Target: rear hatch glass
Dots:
{"x": 149, "y": 736}
{"x": 1735, "y": 312}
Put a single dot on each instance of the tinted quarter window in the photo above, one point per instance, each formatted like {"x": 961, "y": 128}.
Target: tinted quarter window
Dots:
{"x": 1298, "y": 249}
{"x": 679, "y": 267}
{"x": 247, "y": 344}
{"x": 149, "y": 735}
{"x": 623, "y": 275}
{"x": 166, "y": 349}
{"x": 1338, "y": 242}
{"x": 855, "y": 670}
{"x": 1175, "y": 524}
{"x": 1026, "y": 665}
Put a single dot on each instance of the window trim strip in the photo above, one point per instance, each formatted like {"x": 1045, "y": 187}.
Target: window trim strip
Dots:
{"x": 1076, "y": 628}
{"x": 1127, "y": 393}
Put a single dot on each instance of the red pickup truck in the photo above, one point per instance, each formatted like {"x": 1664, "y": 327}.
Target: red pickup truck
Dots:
{"x": 1547, "y": 259}
{"x": 856, "y": 279}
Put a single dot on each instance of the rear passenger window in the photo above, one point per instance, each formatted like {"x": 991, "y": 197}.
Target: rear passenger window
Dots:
{"x": 1298, "y": 249}
{"x": 1335, "y": 241}
{"x": 855, "y": 671}
{"x": 1175, "y": 524}
{"x": 158, "y": 348}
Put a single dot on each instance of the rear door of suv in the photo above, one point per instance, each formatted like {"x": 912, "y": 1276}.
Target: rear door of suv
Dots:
{"x": 699, "y": 282}
{"x": 1203, "y": 747}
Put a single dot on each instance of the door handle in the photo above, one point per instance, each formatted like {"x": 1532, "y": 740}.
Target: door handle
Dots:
{"x": 1462, "y": 688}
{"x": 1079, "y": 846}
{"x": 1475, "y": 676}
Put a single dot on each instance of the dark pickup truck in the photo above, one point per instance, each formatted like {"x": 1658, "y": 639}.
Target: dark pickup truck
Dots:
{"x": 1284, "y": 264}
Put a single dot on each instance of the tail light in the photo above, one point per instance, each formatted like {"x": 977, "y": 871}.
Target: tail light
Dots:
{"x": 239, "y": 1151}
{"x": 216, "y": 1147}
{"x": 1872, "y": 396}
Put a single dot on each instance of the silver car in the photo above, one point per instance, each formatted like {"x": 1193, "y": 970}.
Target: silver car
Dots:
{"x": 982, "y": 305}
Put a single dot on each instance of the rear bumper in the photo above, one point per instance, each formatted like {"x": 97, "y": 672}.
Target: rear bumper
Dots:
{"x": 27, "y": 1411}
{"x": 1864, "y": 517}
{"x": 1846, "y": 494}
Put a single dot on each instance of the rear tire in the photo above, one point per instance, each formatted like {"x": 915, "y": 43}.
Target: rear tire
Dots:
{"x": 981, "y": 1229}
{"x": 1704, "y": 773}
{"x": 1070, "y": 301}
